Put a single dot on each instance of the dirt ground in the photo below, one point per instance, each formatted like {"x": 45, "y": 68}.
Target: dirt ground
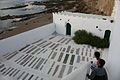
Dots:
{"x": 106, "y": 6}
{"x": 40, "y": 20}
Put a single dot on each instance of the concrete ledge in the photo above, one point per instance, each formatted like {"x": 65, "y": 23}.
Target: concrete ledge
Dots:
{"x": 18, "y": 41}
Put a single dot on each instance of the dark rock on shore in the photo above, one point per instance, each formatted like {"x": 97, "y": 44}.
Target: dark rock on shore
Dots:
{"x": 15, "y": 7}
{"x": 18, "y": 16}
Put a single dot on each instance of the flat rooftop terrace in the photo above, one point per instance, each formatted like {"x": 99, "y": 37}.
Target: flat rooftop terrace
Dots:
{"x": 50, "y": 58}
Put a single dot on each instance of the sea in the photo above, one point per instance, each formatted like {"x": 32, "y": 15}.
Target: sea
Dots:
{"x": 20, "y": 11}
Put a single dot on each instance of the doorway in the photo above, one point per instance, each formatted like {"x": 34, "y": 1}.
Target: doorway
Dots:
{"x": 68, "y": 29}
{"x": 107, "y": 35}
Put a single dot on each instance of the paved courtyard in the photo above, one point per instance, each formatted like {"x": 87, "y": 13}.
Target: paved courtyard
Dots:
{"x": 50, "y": 58}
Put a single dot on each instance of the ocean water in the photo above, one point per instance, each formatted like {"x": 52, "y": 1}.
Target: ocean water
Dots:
{"x": 20, "y": 11}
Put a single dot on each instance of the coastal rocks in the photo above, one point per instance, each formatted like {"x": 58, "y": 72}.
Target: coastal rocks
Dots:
{"x": 15, "y": 7}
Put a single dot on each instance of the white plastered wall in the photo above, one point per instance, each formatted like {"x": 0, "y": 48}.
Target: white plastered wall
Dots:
{"x": 79, "y": 22}
{"x": 16, "y": 42}
{"x": 114, "y": 51}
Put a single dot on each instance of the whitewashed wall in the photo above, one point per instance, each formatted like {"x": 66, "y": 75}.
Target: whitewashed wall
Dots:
{"x": 78, "y": 74}
{"x": 18, "y": 41}
{"x": 81, "y": 22}
{"x": 114, "y": 51}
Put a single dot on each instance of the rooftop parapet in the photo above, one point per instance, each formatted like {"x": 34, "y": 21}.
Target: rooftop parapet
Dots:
{"x": 83, "y": 15}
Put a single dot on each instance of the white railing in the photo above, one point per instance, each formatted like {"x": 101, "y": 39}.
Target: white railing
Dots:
{"x": 79, "y": 74}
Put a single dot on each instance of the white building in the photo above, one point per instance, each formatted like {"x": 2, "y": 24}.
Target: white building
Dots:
{"x": 65, "y": 23}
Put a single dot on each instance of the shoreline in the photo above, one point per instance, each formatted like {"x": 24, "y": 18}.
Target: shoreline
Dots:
{"x": 31, "y": 21}
{"x": 82, "y": 6}
{"x": 23, "y": 26}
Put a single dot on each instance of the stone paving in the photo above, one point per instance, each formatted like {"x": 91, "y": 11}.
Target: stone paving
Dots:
{"x": 46, "y": 59}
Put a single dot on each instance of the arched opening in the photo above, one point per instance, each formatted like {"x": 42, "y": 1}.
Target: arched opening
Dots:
{"x": 107, "y": 35}
{"x": 68, "y": 29}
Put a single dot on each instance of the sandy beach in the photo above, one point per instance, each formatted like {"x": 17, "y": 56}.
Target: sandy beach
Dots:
{"x": 38, "y": 21}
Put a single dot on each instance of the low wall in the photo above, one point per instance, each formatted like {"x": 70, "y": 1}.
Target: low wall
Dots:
{"x": 18, "y": 41}
{"x": 79, "y": 74}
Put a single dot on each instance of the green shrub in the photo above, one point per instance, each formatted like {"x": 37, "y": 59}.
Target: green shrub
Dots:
{"x": 83, "y": 37}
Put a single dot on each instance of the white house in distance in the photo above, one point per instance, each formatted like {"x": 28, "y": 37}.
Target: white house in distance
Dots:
{"x": 39, "y": 55}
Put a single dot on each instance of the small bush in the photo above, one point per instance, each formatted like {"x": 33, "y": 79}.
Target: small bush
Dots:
{"x": 83, "y": 37}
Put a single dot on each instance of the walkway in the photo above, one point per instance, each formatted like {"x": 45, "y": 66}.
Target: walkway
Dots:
{"x": 46, "y": 59}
